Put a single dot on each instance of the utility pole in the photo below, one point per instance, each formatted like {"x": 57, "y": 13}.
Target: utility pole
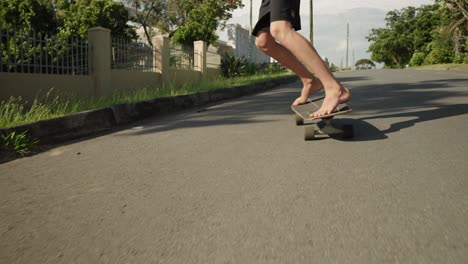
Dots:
{"x": 352, "y": 66}
{"x": 347, "y": 44}
{"x": 250, "y": 34}
{"x": 312, "y": 22}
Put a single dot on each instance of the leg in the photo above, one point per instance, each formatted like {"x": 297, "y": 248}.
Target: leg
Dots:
{"x": 335, "y": 93}
{"x": 267, "y": 44}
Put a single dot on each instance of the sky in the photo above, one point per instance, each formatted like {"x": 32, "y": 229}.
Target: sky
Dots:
{"x": 330, "y": 19}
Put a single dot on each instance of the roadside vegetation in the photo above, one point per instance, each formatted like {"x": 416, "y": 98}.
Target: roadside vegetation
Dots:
{"x": 444, "y": 66}
{"x": 18, "y": 111}
{"x": 425, "y": 35}
{"x": 183, "y": 21}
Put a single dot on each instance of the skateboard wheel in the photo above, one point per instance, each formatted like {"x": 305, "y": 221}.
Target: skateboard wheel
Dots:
{"x": 348, "y": 131}
{"x": 299, "y": 121}
{"x": 309, "y": 133}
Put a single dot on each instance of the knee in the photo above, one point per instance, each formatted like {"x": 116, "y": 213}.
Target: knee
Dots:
{"x": 279, "y": 32}
{"x": 263, "y": 42}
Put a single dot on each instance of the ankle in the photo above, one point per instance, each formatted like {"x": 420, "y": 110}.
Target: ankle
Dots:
{"x": 307, "y": 82}
{"x": 335, "y": 88}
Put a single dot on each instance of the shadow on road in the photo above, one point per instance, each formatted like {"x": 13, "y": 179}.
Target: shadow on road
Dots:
{"x": 393, "y": 97}
{"x": 363, "y": 131}
{"x": 382, "y": 101}
{"x": 422, "y": 116}
{"x": 239, "y": 111}
{"x": 422, "y": 101}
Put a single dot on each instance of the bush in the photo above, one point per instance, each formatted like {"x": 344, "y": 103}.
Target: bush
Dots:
{"x": 461, "y": 58}
{"x": 439, "y": 55}
{"x": 417, "y": 59}
{"x": 232, "y": 66}
{"x": 19, "y": 143}
{"x": 270, "y": 68}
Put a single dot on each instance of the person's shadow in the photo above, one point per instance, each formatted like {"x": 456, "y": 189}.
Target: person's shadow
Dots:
{"x": 415, "y": 102}
{"x": 421, "y": 116}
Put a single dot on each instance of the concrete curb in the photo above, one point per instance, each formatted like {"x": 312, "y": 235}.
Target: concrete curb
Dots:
{"x": 86, "y": 123}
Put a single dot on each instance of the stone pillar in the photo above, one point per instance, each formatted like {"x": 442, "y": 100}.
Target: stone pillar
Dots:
{"x": 99, "y": 40}
{"x": 162, "y": 56}
{"x": 200, "y": 49}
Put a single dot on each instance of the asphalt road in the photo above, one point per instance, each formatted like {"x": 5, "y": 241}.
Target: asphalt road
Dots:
{"x": 236, "y": 183}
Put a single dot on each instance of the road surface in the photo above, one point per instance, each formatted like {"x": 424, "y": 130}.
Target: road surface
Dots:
{"x": 236, "y": 183}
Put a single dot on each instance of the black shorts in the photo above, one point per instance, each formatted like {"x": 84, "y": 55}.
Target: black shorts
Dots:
{"x": 278, "y": 10}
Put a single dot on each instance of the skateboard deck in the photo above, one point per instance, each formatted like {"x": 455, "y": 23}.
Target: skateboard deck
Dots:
{"x": 321, "y": 125}
{"x": 305, "y": 110}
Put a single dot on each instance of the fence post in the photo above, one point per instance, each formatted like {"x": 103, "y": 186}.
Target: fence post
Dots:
{"x": 100, "y": 60}
{"x": 162, "y": 56}
{"x": 200, "y": 49}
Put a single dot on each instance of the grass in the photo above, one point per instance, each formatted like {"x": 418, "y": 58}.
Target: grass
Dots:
{"x": 448, "y": 66}
{"x": 19, "y": 143}
{"x": 15, "y": 112}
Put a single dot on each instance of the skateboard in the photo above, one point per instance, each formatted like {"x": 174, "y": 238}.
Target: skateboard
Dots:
{"x": 321, "y": 125}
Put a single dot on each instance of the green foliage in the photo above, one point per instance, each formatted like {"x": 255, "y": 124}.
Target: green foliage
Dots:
{"x": 417, "y": 59}
{"x": 439, "y": 55}
{"x": 59, "y": 22}
{"x": 235, "y": 67}
{"x": 394, "y": 45}
{"x": 364, "y": 64}
{"x": 271, "y": 68}
{"x": 69, "y": 18}
{"x": 19, "y": 143}
{"x": 412, "y": 33}
{"x": 16, "y": 112}
{"x": 27, "y": 15}
{"x": 200, "y": 20}
{"x": 331, "y": 66}
{"x": 461, "y": 58}
{"x": 334, "y": 68}
{"x": 426, "y": 20}
{"x": 80, "y": 15}
{"x": 441, "y": 47}
{"x": 232, "y": 66}
{"x": 19, "y": 111}
{"x": 184, "y": 20}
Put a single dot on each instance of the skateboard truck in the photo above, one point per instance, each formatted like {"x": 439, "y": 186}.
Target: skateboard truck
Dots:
{"x": 325, "y": 127}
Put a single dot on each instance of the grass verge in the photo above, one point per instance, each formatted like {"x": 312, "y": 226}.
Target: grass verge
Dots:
{"x": 17, "y": 111}
{"x": 448, "y": 66}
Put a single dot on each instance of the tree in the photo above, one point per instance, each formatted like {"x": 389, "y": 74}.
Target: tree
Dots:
{"x": 183, "y": 20}
{"x": 202, "y": 19}
{"x": 364, "y": 64}
{"x": 425, "y": 35}
{"x": 21, "y": 19}
{"x": 454, "y": 23}
{"x": 393, "y": 45}
{"x": 149, "y": 14}
{"x": 27, "y": 16}
{"x": 80, "y": 15}
{"x": 54, "y": 22}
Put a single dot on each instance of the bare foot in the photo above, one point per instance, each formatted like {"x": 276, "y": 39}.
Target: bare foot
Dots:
{"x": 308, "y": 89}
{"x": 300, "y": 101}
{"x": 331, "y": 101}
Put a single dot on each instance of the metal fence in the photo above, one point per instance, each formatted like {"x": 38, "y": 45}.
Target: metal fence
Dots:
{"x": 213, "y": 59}
{"x": 132, "y": 55}
{"x": 28, "y": 52}
{"x": 182, "y": 57}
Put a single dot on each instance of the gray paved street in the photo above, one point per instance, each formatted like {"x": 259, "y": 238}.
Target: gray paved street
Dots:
{"x": 236, "y": 183}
